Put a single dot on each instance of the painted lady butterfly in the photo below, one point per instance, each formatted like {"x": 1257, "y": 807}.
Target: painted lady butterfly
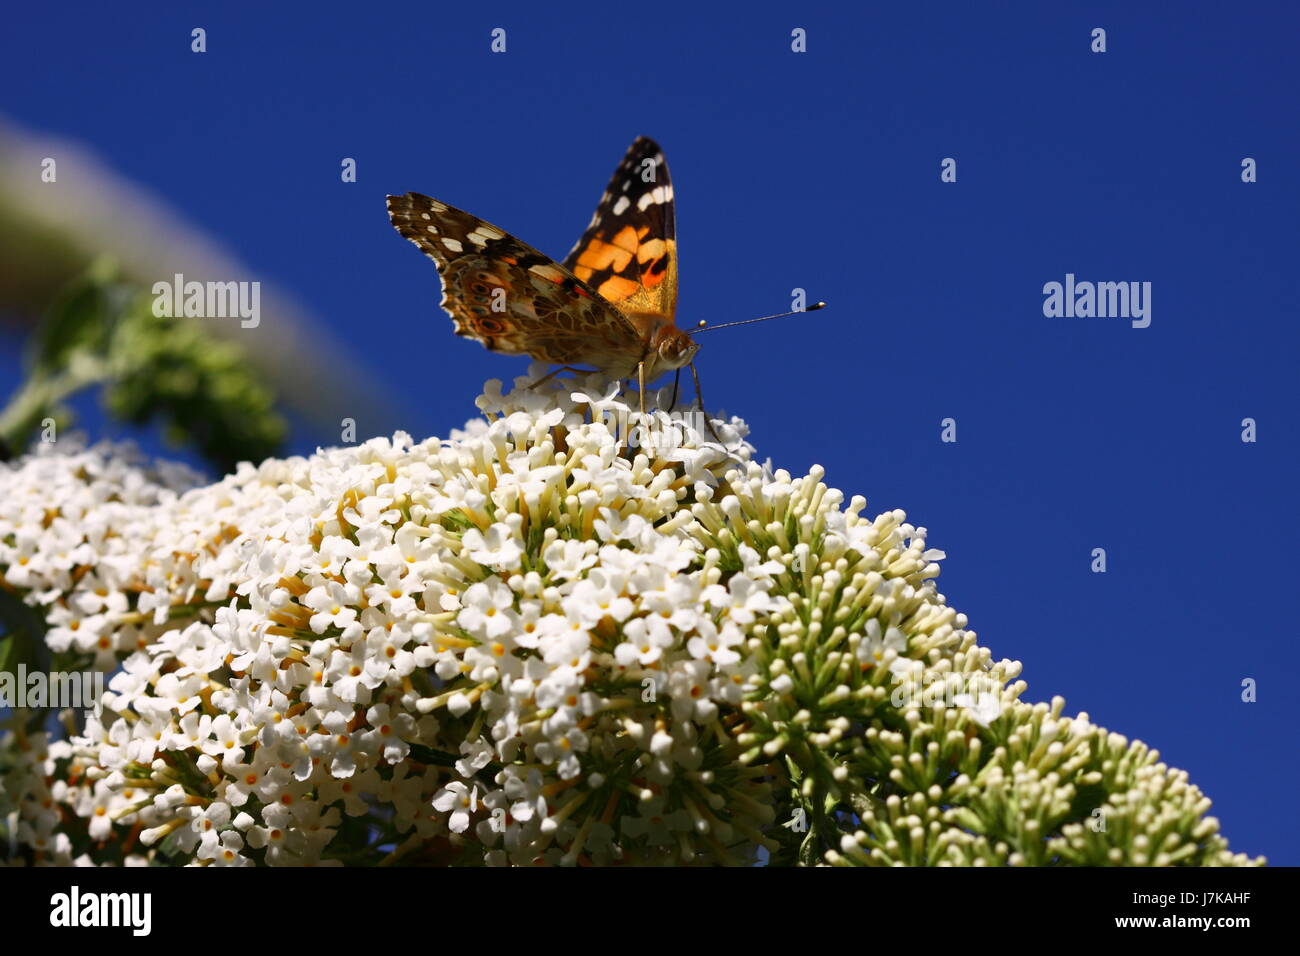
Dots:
{"x": 610, "y": 305}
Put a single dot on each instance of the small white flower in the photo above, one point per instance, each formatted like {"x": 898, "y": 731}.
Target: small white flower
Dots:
{"x": 497, "y": 548}
{"x": 872, "y": 647}
{"x": 985, "y": 707}
{"x": 488, "y": 611}
{"x": 334, "y": 605}
{"x": 458, "y": 800}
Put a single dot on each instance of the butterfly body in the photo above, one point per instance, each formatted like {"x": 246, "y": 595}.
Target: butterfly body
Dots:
{"x": 610, "y": 305}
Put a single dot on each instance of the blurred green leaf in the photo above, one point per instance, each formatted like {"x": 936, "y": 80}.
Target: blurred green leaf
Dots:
{"x": 201, "y": 390}
{"x": 78, "y": 321}
{"x": 102, "y": 331}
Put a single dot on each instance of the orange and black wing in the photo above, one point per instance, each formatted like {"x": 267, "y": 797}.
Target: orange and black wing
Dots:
{"x": 629, "y": 252}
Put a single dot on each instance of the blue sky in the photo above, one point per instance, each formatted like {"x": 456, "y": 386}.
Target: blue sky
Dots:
{"x": 821, "y": 171}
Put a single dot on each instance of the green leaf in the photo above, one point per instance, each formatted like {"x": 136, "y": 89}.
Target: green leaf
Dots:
{"x": 201, "y": 390}
{"x": 79, "y": 320}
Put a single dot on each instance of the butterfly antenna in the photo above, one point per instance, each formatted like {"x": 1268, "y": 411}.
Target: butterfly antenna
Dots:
{"x": 705, "y": 327}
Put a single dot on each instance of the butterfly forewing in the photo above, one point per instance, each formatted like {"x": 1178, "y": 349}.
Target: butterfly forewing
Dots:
{"x": 629, "y": 252}
{"x": 505, "y": 294}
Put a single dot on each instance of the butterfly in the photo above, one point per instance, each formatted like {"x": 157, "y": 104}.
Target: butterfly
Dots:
{"x": 610, "y": 305}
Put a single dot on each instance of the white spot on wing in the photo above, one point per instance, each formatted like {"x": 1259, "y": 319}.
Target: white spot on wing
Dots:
{"x": 655, "y": 197}
{"x": 482, "y": 234}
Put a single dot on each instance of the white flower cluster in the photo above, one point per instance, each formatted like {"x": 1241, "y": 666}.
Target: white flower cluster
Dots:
{"x": 73, "y": 524}
{"x": 543, "y": 640}
{"x": 536, "y": 622}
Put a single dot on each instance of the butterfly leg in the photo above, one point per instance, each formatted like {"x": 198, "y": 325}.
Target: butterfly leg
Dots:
{"x": 640, "y": 382}
{"x": 699, "y": 396}
{"x": 677, "y": 380}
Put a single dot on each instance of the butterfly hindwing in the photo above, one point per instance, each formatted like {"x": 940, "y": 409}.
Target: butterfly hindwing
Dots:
{"x": 505, "y": 294}
{"x": 629, "y": 252}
